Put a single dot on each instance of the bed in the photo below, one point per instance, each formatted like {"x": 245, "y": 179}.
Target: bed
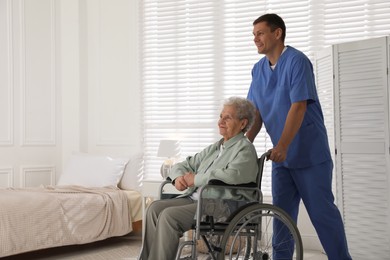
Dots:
{"x": 96, "y": 197}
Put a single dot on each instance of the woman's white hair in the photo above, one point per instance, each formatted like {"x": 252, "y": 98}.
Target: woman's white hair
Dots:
{"x": 244, "y": 110}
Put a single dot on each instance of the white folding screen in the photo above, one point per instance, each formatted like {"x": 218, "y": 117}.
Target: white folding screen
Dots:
{"x": 356, "y": 75}
{"x": 324, "y": 81}
{"x": 362, "y": 142}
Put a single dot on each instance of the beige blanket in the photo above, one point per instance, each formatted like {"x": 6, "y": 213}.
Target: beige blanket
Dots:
{"x": 37, "y": 218}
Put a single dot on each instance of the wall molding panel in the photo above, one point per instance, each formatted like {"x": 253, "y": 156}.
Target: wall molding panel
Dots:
{"x": 69, "y": 81}
{"x": 6, "y": 74}
{"x": 34, "y": 176}
{"x": 37, "y": 72}
{"x": 6, "y": 177}
{"x": 111, "y": 95}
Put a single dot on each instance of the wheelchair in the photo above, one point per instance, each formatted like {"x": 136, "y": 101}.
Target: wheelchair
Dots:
{"x": 247, "y": 233}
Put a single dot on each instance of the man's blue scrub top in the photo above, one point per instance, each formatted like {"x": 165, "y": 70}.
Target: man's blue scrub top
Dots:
{"x": 273, "y": 92}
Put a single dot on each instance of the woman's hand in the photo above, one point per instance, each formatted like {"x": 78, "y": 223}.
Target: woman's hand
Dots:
{"x": 180, "y": 183}
{"x": 189, "y": 178}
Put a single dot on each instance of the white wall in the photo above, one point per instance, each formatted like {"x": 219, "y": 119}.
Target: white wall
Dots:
{"x": 68, "y": 82}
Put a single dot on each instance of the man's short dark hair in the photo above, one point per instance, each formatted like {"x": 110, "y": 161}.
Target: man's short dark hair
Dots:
{"x": 274, "y": 21}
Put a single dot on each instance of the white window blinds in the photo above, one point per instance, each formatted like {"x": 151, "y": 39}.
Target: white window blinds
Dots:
{"x": 195, "y": 53}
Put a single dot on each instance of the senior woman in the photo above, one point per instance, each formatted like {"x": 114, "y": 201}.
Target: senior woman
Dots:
{"x": 232, "y": 159}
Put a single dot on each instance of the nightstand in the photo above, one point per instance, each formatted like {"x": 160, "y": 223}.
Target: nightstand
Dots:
{"x": 151, "y": 189}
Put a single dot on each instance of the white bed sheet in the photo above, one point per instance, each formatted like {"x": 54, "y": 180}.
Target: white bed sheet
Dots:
{"x": 38, "y": 218}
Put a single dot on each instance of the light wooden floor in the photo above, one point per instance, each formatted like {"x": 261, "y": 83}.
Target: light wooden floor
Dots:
{"x": 120, "y": 248}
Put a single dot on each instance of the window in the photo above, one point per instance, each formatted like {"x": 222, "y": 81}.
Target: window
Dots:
{"x": 196, "y": 53}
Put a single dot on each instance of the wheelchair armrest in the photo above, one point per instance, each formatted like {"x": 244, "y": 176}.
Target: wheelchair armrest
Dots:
{"x": 221, "y": 183}
{"x": 217, "y": 184}
{"x": 171, "y": 193}
{"x": 162, "y": 185}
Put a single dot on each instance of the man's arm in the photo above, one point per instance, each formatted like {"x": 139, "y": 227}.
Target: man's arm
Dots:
{"x": 256, "y": 127}
{"x": 293, "y": 123}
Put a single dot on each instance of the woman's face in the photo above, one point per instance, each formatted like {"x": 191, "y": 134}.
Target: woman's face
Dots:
{"x": 229, "y": 124}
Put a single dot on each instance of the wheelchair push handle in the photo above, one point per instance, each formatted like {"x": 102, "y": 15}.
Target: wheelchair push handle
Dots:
{"x": 266, "y": 155}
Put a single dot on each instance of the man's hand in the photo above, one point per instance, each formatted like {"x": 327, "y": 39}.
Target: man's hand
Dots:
{"x": 278, "y": 154}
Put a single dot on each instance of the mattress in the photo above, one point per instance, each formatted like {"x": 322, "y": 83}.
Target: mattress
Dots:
{"x": 51, "y": 216}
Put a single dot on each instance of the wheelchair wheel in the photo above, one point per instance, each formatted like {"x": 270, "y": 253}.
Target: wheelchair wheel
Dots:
{"x": 251, "y": 235}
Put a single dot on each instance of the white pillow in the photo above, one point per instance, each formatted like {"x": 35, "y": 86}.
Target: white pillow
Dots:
{"x": 132, "y": 177}
{"x": 92, "y": 171}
